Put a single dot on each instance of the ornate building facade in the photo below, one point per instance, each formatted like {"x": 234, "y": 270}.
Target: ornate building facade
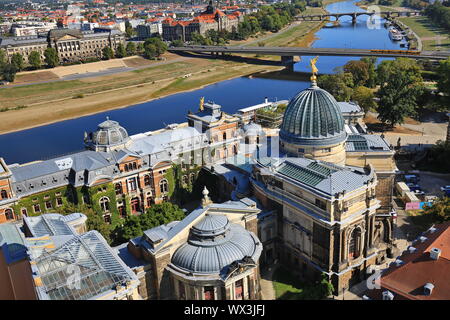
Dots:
{"x": 325, "y": 188}
{"x": 212, "y": 254}
{"x": 70, "y": 44}
{"x": 119, "y": 174}
{"x": 210, "y": 19}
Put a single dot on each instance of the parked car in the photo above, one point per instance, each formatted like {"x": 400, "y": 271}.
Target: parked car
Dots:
{"x": 412, "y": 178}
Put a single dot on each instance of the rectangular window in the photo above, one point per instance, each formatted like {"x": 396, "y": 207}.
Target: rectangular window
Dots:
{"x": 132, "y": 184}
{"x": 36, "y": 208}
{"x": 24, "y": 212}
{"x": 209, "y": 293}
{"x": 239, "y": 289}
{"x": 48, "y": 205}
{"x": 59, "y": 201}
{"x": 107, "y": 218}
{"x": 321, "y": 204}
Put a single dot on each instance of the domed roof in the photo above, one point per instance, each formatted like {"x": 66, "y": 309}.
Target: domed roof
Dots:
{"x": 313, "y": 117}
{"x": 214, "y": 244}
{"x": 109, "y": 133}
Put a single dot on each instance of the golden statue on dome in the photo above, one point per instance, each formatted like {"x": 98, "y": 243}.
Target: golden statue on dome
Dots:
{"x": 314, "y": 69}
{"x": 202, "y": 102}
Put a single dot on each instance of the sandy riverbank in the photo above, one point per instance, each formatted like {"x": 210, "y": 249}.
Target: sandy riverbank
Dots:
{"x": 48, "y": 103}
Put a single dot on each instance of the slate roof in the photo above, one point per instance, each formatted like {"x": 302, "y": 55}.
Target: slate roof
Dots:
{"x": 322, "y": 176}
{"x": 215, "y": 243}
{"x": 366, "y": 143}
{"x": 11, "y": 242}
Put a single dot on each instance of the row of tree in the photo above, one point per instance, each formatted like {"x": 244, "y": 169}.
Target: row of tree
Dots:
{"x": 397, "y": 85}
{"x": 439, "y": 13}
{"x": 8, "y": 70}
{"x": 151, "y": 48}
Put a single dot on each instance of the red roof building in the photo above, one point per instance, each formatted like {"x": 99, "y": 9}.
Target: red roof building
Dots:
{"x": 422, "y": 272}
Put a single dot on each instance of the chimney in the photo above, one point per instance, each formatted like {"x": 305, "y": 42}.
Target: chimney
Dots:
{"x": 398, "y": 262}
{"x": 435, "y": 253}
{"x": 387, "y": 295}
{"x": 423, "y": 239}
{"x": 428, "y": 289}
{"x": 412, "y": 249}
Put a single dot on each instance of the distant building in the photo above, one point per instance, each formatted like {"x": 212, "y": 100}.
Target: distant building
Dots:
{"x": 212, "y": 254}
{"x": 70, "y": 44}
{"x": 210, "y": 19}
{"x": 421, "y": 272}
{"x": 73, "y": 45}
{"x": 148, "y": 30}
{"x": 38, "y": 259}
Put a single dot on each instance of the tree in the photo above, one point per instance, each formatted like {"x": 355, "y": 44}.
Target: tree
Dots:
{"x": 107, "y": 53}
{"x": 17, "y": 61}
{"x": 400, "y": 86}
{"x": 34, "y": 59}
{"x": 131, "y": 49}
{"x": 60, "y": 24}
{"x": 9, "y": 72}
{"x": 160, "y": 214}
{"x": 154, "y": 47}
{"x": 140, "y": 48}
{"x": 130, "y": 229}
{"x": 120, "y": 51}
{"x": 94, "y": 221}
{"x": 359, "y": 70}
{"x": 444, "y": 77}
{"x": 150, "y": 51}
{"x": 51, "y": 57}
{"x": 3, "y": 59}
{"x": 157, "y": 215}
{"x": 371, "y": 63}
{"x": 339, "y": 85}
{"x": 439, "y": 211}
{"x": 365, "y": 98}
{"x": 129, "y": 29}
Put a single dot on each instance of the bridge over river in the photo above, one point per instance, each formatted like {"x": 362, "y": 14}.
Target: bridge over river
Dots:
{"x": 287, "y": 54}
{"x": 354, "y": 15}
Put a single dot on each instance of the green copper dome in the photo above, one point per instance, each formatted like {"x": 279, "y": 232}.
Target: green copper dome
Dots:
{"x": 313, "y": 117}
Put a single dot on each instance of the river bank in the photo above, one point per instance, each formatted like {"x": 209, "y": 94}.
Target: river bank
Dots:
{"x": 36, "y": 105}
{"x": 192, "y": 76}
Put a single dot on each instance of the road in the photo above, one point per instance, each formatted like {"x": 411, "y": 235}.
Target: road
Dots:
{"x": 296, "y": 51}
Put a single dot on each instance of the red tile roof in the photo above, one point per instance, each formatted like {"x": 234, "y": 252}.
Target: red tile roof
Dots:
{"x": 407, "y": 280}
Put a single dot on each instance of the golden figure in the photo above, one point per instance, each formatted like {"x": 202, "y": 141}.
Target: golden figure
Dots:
{"x": 202, "y": 101}
{"x": 314, "y": 69}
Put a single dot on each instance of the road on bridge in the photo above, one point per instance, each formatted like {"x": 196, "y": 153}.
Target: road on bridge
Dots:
{"x": 295, "y": 51}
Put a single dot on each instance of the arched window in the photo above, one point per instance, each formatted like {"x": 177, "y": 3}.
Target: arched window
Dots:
{"x": 126, "y": 167}
{"x": 9, "y": 214}
{"x": 235, "y": 150}
{"x": 164, "y": 186}
{"x": 134, "y": 166}
{"x": 118, "y": 188}
{"x": 104, "y": 204}
{"x": 4, "y": 194}
{"x": 135, "y": 205}
{"x": 354, "y": 244}
{"x": 146, "y": 180}
{"x": 225, "y": 135}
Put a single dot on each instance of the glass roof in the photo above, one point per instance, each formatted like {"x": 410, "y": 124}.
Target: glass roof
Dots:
{"x": 303, "y": 175}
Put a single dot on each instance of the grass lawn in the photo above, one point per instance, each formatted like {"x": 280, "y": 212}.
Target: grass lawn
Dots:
{"x": 425, "y": 29}
{"x": 288, "y": 287}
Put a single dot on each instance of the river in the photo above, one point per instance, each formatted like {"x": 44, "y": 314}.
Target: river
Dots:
{"x": 67, "y": 136}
